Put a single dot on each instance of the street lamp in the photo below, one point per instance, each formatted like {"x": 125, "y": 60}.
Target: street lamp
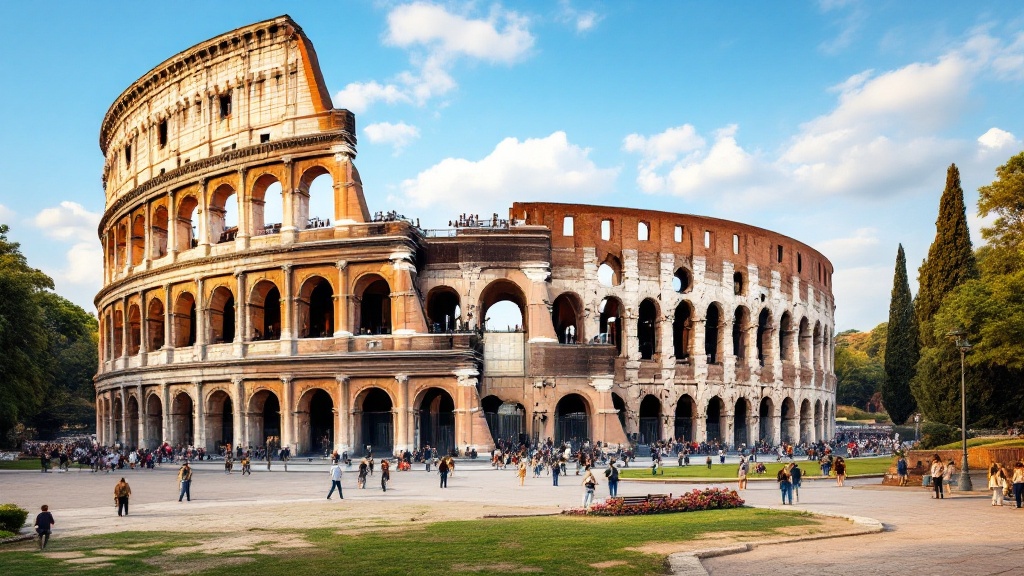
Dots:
{"x": 959, "y": 337}
{"x": 917, "y": 427}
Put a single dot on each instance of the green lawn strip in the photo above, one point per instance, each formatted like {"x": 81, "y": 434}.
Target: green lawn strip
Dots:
{"x": 551, "y": 544}
{"x": 21, "y": 465}
{"x": 989, "y": 442}
{"x": 854, "y": 466}
{"x": 25, "y": 559}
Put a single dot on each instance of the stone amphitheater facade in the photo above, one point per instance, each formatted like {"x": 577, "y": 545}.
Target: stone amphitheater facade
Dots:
{"x": 342, "y": 330}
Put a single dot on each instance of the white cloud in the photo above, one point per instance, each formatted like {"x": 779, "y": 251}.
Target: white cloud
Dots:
{"x": 84, "y": 265}
{"x": 996, "y": 138}
{"x": 850, "y": 249}
{"x": 436, "y": 39}
{"x": 858, "y": 291}
{"x": 397, "y": 135}
{"x": 69, "y": 221}
{"x": 582, "y": 20}
{"x": 5, "y": 214}
{"x": 547, "y": 169}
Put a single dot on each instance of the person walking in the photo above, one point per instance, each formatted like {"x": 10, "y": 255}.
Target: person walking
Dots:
{"x": 1018, "y": 482}
{"x": 556, "y": 469}
{"x": 589, "y": 485}
{"x": 246, "y": 465}
{"x": 785, "y": 485}
{"x": 901, "y": 470}
{"x": 364, "y": 469}
{"x": 185, "y": 481}
{"x": 742, "y": 473}
{"x": 795, "y": 476}
{"x": 947, "y": 477}
{"x": 840, "y": 466}
{"x": 937, "y": 470}
{"x": 43, "y": 525}
{"x": 521, "y": 472}
{"x": 996, "y": 483}
{"x": 612, "y": 474}
{"x": 122, "y": 491}
{"x": 335, "y": 473}
{"x": 443, "y": 469}
{"x": 385, "y": 473}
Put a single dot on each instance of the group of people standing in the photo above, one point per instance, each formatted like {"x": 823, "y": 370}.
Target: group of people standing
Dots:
{"x": 1005, "y": 483}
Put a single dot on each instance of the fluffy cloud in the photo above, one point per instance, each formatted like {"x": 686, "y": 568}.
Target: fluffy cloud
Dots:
{"x": 69, "y": 221}
{"x": 851, "y": 249}
{"x": 997, "y": 139}
{"x": 436, "y": 39}
{"x": 549, "y": 169}
{"x": 397, "y": 135}
{"x": 84, "y": 265}
{"x": 5, "y": 214}
{"x": 582, "y": 20}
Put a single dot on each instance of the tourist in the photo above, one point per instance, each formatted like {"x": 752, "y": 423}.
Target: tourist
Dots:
{"x": 385, "y": 473}
{"x": 122, "y": 491}
{"x": 709, "y": 462}
{"x": 742, "y": 473}
{"x": 364, "y": 469}
{"x": 840, "y": 466}
{"x": 996, "y": 483}
{"x": 785, "y": 485}
{"x": 443, "y": 468}
{"x": 556, "y": 469}
{"x": 589, "y": 485}
{"x": 901, "y": 470}
{"x": 947, "y": 477}
{"x": 612, "y": 474}
{"x": 336, "y": 481}
{"x": 521, "y": 472}
{"x": 43, "y": 524}
{"x": 937, "y": 469}
{"x": 246, "y": 465}
{"x": 185, "y": 481}
{"x": 1018, "y": 482}
{"x": 795, "y": 476}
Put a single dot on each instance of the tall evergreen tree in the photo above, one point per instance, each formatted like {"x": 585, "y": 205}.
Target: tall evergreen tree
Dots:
{"x": 901, "y": 347}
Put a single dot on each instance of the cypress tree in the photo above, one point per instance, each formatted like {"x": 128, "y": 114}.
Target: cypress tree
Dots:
{"x": 901, "y": 349}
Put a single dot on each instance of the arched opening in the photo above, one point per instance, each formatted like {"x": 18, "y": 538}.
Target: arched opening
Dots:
{"x": 619, "y": 404}
{"x": 738, "y": 284}
{"x": 186, "y": 233}
{"x": 154, "y": 421}
{"x": 681, "y": 281}
{"x": 686, "y": 408}
{"x": 138, "y": 240}
{"x": 682, "y": 332}
{"x": 158, "y": 233}
{"x": 223, "y": 214}
{"x": 134, "y": 330}
{"x": 765, "y": 414}
{"x": 181, "y": 420}
{"x": 222, "y": 316}
{"x": 643, "y": 232}
{"x": 265, "y": 311}
{"x": 565, "y": 317}
{"x": 647, "y": 329}
{"x": 503, "y": 307}
{"x": 506, "y": 420}
{"x": 650, "y": 420}
{"x": 316, "y": 308}
{"x": 764, "y": 335}
{"x": 819, "y": 421}
{"x": 609, "y": 273}
{"x": 118, "y": 419}
{"x": 220, "y": 417}
{"x": 315, "y": 198}
{"x": 714, "y": 333}
{"x": 374, "y": 296}
{"x": 740, "y": 416}
{"x": 316, "y": 419}
{"x": 118, "y": 333}
{"x": 155, "y": 325}
{"x": 715, "y": 415}
{"x": 444, "y": 311}
{"x": 267, "y": 205}
{"x": 786, "y": 335}
{"x": 572, "y": 424}
{"x": 806, "y": 343}
{"x": 377, "y": 421}
{"x": 806, "y": 421}
{"x": 131, "y": 424}
{"x": 121, "y": 245}
{"x": 830, "y": 420}
{"x": 610, "y": 322}
{"x": 817, "y": 351}
{"x": 437, "y": 420}
{"x": 789, "y": 421}
{"x": 265, "y": 419}
{"x": 740, "y": 334}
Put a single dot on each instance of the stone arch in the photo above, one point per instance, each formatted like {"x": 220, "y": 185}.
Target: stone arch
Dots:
{"x": 373, "y": 293}
{"x": 134, "y": 329}
{"x": 682, "y": 332}
{"x": 566, "y": 314}
{"x": 609, "y": 273}
{"x": 806, "y": 422}
{"x": 316, "y": 308}
{"x": 155, "y": 324}
{"x": 444, "y": 309}
{"x": 819, "y": 430}
{"x": 572, "y": 420}
{"x": 740, "y": 334}
{"x": 118, "y": 333}
{"x": 219, "y": 414}
{"x": 766, "y": 414}
{"x": 790, "y": 422}
{"x": 264, "y": 185}
{"x": 741, "y": 420}
{"x": 376, "y": 422}
{"x": 313, "y": 181}
{"x": 714, "y": 333}
{"x": 436, "y": 420}
{"x": 223, "y": 218}
{"x": 764, "y": 337}
{"x": 221, "y": 317}
{"x": 264, "y": 418}
{"x": 118, "y": 412}
{"x": 131, "y": 422}
{"x": 716, "y": 420}
{"x": 265, "y": 311}
{"x": 158, "y": 233}
{"x": 182, "y": 423}
{"x": 686, "y": 412}
{"x": 650, "y": 419}
{"x": 738, "y": 284}
{"x": 138, "y": 240}
{"x": 315, "y": 419}
{"x": 610, "y": 323}
{"x": 806, "y": 344}
{"x": 786, "y": 337}
{"x": 503, "y": 290}
{"x": 186, "y": 235}
{"x": 682, "y": 280}
{"x": 647, "y": 328}
{"x": 121, "y": 244}
{"x": 154, "y": 421}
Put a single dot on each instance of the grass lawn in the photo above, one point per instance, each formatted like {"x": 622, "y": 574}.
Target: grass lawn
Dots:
{"x": 988, "y": 442}
{"x": 697, "y": 468}
{"x": 552, "y": 545}
{"x": 21, "y": 465}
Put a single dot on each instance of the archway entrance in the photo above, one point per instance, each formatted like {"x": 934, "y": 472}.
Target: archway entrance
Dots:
{"x": 647, "y": 329}
{"x": 131, "y": 423}
{"x": 181, "y": 420}
{"x": 610, "y": 323}
{"x": 741, "y": 413}
{"x": 264, "y": 419}
{"x": 685, "y": 409}
{"x": 506, "y": 420}
{"x": 806, "y": 421}
{"x": 443, "y": 310}
{"x": 565, "y": 314}
{"x": 714, "y": 419}
{"x": 154, "y": 422}
{"x": 765, "y": 420}
{"x": 650, "y": 420}
{"x": 378, "y": 424}
{"x": 319, "y": 413}
{"x": 220, "y": 417}
{"x": 572, "y": 423}
{"x": 437, "y": 420}
{"x": 789, "y": 421}
{"x": 374, "y": 305}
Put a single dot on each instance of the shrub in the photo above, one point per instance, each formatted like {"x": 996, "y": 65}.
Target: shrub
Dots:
{"x": 12, "y": 518}
{"x": 707, "y": 499}
{"x": 4, "y": 534}
{"x": 934, "y": 434}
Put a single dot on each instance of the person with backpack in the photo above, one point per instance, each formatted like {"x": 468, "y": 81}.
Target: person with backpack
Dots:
{"x": 785, "y": 485}
{"x": 612, "y": 474}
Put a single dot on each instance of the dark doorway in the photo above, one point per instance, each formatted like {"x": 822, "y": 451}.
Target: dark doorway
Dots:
{"x": 571, "y": 421}
{"x": 646, "y": 329}
{"x": 650, "y": 420}
{"x": 378, "y": 422}
{"x": 321, "y": 422}
{"x": 684, "y": 418}
{"x": 437, "y": 420}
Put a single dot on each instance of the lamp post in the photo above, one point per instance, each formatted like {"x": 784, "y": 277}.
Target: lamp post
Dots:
{"x": 917, "y": 427}
{"x": 959, "y": 337}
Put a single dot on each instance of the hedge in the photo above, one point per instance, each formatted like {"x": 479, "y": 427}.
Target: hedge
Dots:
{"x": 12, "y": 518}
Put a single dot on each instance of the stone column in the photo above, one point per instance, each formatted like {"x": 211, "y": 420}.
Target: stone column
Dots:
{"x": 241, "y": 314}
{"x": 122, "y": 431}
{"x": 342, "y": 434}
{"x": 288, "y": 330}
{"x": 342, "y": 301}
{"x": 147, "y": 243}
{"x": 288, "y": 227}
{"x": 402, "y": 413}
{"x": 199, "y": 418}
{"x": 244, "y": 212}
{"x": 237, "y": 402}
{"x": 99, "y": 421}
{"x": 202, "y": 325}
{"x": 143, "y": 418}
{"x": 126, "y": 331}
{"x": 165, "y": 412}
{"x": 172, "y": 226}
{"x": 777, "y": 425}
{"x": 406, "y": 311}
{"x": 204, "y": 218}
{"x": 287, "y": 412}
{"x": 538, "y": 320}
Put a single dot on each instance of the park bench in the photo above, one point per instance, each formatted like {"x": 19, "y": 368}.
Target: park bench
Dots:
{"x": 634, "y": 500}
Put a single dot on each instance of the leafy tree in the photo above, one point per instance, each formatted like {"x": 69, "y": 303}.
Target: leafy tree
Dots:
{"x": 24, "y": 357}
{"x": 858, "y": 375}
{"x": 901, "y": 352}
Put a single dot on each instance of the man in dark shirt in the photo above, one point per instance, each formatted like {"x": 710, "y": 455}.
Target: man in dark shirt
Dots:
{"x": 44, "y": 521}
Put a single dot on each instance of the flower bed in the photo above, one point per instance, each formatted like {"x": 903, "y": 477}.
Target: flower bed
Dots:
{"x": 707, "y": 499}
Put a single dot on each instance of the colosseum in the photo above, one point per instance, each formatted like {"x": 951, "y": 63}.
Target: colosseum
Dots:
{"x": 233, "y": 312}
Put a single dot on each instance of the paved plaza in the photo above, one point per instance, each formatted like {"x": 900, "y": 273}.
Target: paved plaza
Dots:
{"x": 958, "y": 535}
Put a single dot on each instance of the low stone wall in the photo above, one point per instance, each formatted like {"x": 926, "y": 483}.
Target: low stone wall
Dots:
{"x": 978, "y": 458}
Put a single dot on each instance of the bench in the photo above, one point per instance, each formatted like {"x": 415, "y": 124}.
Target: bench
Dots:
{"x": 634, "y": 500}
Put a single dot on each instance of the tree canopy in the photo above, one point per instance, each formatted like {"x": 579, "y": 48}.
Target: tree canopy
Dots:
{"x": 902, "y": 353}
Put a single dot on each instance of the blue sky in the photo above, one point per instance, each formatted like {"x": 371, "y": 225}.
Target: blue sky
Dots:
{"x": 832, "y": 122}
